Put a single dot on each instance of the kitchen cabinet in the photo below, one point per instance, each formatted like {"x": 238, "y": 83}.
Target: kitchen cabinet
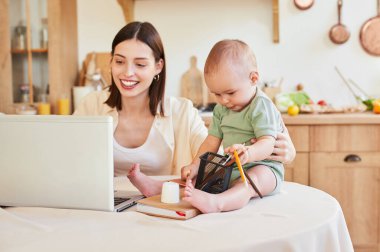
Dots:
{"x": 341, "y": 155}
{"x": 298, "y": 170}
{"x": 54, "y": 64}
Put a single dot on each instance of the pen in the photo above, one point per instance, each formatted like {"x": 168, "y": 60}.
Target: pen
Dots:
{"x": 242, "y": 175}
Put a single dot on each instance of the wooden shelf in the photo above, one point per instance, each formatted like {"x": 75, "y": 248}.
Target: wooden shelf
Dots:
{"x": 34, "y": 50}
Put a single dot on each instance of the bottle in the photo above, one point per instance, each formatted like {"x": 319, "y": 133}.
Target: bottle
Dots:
{"x": 91, "y": 69}
{"x": 44, "y": 33}
{"x": 97, "y": 82}
{"x": 24, "y": 91}
{"x": 20, "y": 37}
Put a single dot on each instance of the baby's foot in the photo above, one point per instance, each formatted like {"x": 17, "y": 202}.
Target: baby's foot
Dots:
{"x": 143, "y": 183}
{"x": 205, "y": 202}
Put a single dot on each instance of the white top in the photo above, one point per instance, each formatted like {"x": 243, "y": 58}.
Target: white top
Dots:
{"x": 298, "y": 219}
{"x": 181, "y": 126}
{"x": 154, "y": 156}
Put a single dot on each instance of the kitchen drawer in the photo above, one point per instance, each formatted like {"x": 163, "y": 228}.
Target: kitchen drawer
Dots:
{"x": 300, "y": 137}
{"x": 356, "y": 186}
{"x": 345, "y": 138}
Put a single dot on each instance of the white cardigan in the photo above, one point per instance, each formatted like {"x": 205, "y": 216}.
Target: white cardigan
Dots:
{"x": 181, "y": 126}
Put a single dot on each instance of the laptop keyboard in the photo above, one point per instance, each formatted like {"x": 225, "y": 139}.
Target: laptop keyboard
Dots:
{"x": 117, "y": 200}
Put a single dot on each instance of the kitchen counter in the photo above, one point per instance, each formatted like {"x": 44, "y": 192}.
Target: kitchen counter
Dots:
{"x": 341, "y": 118}
{"x": 320, "y": 119}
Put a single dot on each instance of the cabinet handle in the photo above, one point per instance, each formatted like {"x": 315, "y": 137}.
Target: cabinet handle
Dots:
{"x": 352, "y": 158}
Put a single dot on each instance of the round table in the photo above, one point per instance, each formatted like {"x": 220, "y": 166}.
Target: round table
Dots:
{"x": 299, "y": 218}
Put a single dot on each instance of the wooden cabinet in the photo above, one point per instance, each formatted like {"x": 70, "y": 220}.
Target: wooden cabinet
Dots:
{"x": 356, "y": 186}
{"x": 61, "y": 54}
{"x": 341, "y": 156}
{"x": 298, "y": 170}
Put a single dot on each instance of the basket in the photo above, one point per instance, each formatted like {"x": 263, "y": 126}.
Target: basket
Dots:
{"x": 213, "y": 174}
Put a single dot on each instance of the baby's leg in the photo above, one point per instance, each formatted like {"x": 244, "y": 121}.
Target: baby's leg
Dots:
{"x": 143, "y": 183}
{"x": 264, "y": 179}
{"x": 234, "y": 198}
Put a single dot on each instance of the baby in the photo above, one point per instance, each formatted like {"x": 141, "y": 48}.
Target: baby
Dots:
{"x": 243, "y": 112}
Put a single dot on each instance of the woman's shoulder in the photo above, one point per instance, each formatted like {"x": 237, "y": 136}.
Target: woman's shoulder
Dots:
{"x": 175, "y": 105}
{"x": 94, "y": 104}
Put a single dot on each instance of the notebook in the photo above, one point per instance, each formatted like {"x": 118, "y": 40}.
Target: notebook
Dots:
{"x": 59, "y": 162}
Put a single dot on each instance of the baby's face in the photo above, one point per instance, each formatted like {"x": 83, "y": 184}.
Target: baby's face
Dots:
{"x": 233, "y": 87}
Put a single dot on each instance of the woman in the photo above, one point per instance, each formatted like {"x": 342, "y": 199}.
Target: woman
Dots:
{"x": 155, "y": 134}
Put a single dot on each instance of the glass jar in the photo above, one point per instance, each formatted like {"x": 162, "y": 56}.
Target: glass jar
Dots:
{"x": 44, "y": 33}
{"x": 20, "y": 37}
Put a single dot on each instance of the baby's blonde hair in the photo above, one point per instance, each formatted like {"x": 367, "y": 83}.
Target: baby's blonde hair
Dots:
{"x": 230, "y": 51}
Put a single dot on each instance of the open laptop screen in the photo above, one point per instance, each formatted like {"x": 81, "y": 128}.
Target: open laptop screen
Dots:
{"x": 56, "y": 161}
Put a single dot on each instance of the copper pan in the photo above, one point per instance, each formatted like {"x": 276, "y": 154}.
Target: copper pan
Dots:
{"x": 370, "y": 34}
{"x": 339, "y": 32}
{"x": 303, "y": 4}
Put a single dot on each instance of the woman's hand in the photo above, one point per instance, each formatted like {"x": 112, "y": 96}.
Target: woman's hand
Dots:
{"x": 189, "y": 171}
{"x": 284, "y": 150}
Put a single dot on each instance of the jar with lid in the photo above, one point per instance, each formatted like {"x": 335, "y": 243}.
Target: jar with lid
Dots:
{"x": 20, "y": 37}
{"x": 44, "y": 33}
{"x": 24, "y": 93}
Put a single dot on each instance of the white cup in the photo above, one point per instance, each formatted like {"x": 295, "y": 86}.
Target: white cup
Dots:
{"x": 170, "y": 192}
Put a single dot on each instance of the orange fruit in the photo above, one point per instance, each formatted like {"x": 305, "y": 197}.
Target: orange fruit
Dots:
{"x": 376, "y": 106}
{"x": 293, "y": 110}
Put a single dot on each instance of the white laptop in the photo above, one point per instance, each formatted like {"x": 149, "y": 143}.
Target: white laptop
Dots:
{"x": 59, "y": 162}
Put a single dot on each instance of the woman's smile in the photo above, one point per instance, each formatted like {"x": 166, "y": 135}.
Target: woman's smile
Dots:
{"x": 128, "y": 84}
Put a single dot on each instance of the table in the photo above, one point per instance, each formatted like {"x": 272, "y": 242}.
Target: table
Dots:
{"x": 299, "y": 218}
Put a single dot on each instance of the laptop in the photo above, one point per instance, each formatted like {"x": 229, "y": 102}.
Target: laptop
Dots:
{"x": 59, "y": 162}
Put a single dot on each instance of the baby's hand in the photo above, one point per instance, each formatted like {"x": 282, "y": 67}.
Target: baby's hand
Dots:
{"x": 189, "y": 171}
{"x": 241, "y": 150}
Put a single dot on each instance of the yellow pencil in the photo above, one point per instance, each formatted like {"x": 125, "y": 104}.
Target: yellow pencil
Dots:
{"x": 242, "y": 175}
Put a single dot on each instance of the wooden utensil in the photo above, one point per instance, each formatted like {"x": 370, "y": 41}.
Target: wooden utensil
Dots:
{"x": 370, "y": 34}
{"x": 276, "y": 21}
{"x": 303, "y": 4}
{"x": 339, "y": 32}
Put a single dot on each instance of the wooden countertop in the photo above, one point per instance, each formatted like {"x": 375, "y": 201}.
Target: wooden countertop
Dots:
{"x": 320, "y": 119}
{"x": 343, "y": 118}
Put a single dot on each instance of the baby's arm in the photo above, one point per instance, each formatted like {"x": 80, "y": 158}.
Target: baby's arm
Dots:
{"x": 210, "y": 144}
{"x": 260, "y": 150}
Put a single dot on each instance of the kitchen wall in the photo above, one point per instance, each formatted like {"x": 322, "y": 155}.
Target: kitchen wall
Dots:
{"x": 304, "y": 55}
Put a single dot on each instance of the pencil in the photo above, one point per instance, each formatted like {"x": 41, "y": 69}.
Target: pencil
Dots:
{"x": 242, "y": 175}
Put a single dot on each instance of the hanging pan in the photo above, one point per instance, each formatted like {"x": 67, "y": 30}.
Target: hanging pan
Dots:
{"x": 370, "y": 34}
{"x": 303, "y": 4}
{"x": 339, "y": 32}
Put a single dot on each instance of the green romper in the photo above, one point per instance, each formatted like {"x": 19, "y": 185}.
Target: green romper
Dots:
{"x": 259, "y": 118}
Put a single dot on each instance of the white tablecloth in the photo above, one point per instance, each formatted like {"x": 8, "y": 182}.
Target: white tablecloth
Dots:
{"x": 299, "y": 218}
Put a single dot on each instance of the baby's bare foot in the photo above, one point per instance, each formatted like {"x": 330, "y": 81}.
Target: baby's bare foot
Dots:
{"x": 205, "y": 202}
{"x": 143, "y": 183}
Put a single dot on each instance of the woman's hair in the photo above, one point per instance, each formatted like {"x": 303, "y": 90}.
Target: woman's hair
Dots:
{"x": 146, "y": 33}
{"x": 230, "y": 51}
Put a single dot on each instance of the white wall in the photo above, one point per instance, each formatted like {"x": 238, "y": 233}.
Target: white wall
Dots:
{"x": 304, "y": 55}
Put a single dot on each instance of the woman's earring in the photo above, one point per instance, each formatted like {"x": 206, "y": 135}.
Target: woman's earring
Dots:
{"x": 157, "y": 77}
